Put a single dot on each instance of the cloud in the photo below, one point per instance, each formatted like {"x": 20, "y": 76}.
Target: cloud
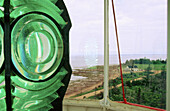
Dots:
{"x": 141, "y": 24}
{"x": 124, "y": 20}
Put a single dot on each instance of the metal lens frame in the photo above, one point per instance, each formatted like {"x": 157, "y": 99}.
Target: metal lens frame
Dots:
{"x": 37, "y": 46}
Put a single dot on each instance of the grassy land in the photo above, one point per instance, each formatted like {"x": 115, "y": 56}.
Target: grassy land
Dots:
{"x": 149, "y": 92}
{"x": 96, "y": 67}
{"x": 153, "y": 66}
{"x": 146, "y": 86}
{"x": 127, "y": 77}
{"x": 144, "y": 66}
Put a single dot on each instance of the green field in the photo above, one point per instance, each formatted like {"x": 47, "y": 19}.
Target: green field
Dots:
{"x": 153, "y": 66}
{"x": 144, "y": 66}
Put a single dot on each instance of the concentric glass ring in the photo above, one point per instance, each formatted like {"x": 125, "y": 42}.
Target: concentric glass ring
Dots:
{"x": 1, "y": 46}
{"x": 37, "y": 47}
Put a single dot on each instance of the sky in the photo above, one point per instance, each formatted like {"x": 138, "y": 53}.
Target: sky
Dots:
{"x": 142, "y": 26}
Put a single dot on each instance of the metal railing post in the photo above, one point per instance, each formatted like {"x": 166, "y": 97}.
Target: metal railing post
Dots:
{"x": 106, "y": 50}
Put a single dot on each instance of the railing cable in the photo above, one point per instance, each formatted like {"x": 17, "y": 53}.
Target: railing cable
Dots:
{"x": 121, "y": 69}
{"x": 118, "y": 52}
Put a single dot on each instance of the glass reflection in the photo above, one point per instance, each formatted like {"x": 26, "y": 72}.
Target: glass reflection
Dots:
{"x": 1, "y": 46}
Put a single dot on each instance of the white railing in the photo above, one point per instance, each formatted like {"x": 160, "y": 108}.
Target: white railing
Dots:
{"x": 106, "y": 51}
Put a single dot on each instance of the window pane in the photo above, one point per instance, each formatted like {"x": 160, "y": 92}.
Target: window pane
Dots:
{"x": 86, "y": 49}
{"x": 143, "y": 44}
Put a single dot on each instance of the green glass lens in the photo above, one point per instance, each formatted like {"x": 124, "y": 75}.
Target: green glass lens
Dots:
{"x": 2, "y": 99}
{"x": 1, "y": 46}
{"x": 1, "y": 3}
{"x": 37, "y": 47}
{"x": 21, "y": 7}
{"x": 35, "y": 86}
{"x": 33, "y": 104}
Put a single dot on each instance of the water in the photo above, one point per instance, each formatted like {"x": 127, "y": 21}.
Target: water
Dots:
{"x": 74, "y": 78}
{"x": 82, "y": 61}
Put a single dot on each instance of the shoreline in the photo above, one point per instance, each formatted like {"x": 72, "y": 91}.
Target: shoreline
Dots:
{"x": 94, "y": 78}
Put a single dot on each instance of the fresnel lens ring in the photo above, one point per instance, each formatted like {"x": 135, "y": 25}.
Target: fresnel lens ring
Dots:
{"x": 2, "y": 78}
{"x": 40, "y": 69}
{"x": 37, "y": 46}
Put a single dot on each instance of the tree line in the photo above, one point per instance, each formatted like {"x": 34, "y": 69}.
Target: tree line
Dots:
{"x": 145, "y": 61}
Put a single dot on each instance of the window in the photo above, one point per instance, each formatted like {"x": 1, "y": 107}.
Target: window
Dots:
{"x": 143, "y": 43}
{"x": 86, "y": 48}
